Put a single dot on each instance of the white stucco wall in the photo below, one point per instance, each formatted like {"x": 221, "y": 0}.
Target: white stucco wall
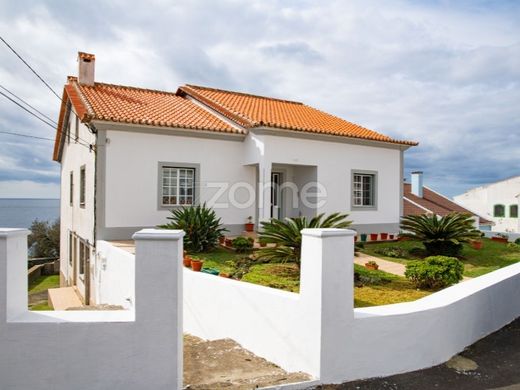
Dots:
{"x": 94, "y": 350}
{"x": 132, "y": 172}
{"x": 114, "y": 275}
{"x": 79, "y": 220}
{"x": 481, "y": 200}
{"x": 131, "y": 166}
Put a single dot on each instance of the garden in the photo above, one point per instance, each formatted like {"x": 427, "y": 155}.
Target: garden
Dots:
{"x": 276, "y": 263}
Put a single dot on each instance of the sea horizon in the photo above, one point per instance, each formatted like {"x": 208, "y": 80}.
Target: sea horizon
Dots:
{"x": 22, "y": 212}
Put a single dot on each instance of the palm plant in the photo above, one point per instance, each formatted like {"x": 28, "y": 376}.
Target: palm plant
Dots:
{"x": 440, "y": 235}
{"x": 201, "y": 225}
{"x": 287, "y": 237}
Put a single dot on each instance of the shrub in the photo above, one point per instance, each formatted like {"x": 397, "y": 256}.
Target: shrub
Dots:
{"x": 364, "y": 276}
{"x": 287, "y": 236}
{"x": 201, "y": 225}
{"x": 359, "y": 245}
{"x": 435, "y": 272}
{"x": 243, "y": 244}
{"x": 440, "y": 236}
{"x": 44, "y": 240}
{"x": 513, "y": 246}
{"x": 392, "y": 252}
{"x": 517, "y": 241}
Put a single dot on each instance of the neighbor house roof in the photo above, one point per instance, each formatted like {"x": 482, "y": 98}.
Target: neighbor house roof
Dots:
{"x": 432, "y": 202}
{"x": 260, "y": 111}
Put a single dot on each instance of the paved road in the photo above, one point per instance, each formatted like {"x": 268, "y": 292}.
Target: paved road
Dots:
{"x": 497, "y": 357}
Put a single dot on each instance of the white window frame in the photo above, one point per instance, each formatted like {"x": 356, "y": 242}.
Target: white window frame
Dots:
{"x": 179, "y": 168}
{"x": 355, "y": 197}
{"x": 82, "y": 186}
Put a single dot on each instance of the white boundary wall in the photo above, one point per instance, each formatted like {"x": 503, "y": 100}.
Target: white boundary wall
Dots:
{"x": 511, "y": 236}
{"x": 89, "y": 350}
{"x": 319, "y": 332}
{"x": 115, "y": 275}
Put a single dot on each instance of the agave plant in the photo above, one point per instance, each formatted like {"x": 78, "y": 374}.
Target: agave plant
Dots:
{"x": 287, "y": 237}
{"x": 201, "y": 225}
{"x": 440, "y": 235}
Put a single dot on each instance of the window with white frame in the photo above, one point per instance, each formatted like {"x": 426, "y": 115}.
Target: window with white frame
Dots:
{"x": 363, "y": 189}
{"x": 84, "y": 257}
{"x": 178, "y": 186}
{"x": 82, "y": 179}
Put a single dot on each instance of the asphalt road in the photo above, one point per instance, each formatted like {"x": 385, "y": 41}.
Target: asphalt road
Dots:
{"x": 497, "y": 357}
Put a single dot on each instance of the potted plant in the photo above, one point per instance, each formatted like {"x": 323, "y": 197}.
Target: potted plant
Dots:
{"x": 372, "y": 265}
{"x": 222, "y": 240}
{"x": 476, "y": 244}
{"x": 363, "y": 237}
{"x": 228, "y": 242}
{"x": 500, "y": 237}
{"x": 223, "y": 275}
{"x": 373, "y": 236}
{"x": 249, "y": 225}
{"x": 196, "y": 265}
{"x": 390, "y": 236}
{"x": 384, "y": 236}
{"x": 355, "y": 238}
{"x": 262, "y": 243}
{"x": 186, "y": 261}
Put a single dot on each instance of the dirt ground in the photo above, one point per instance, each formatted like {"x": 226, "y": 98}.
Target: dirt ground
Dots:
{"x": 491, "y": 363}
{"x": 224, "y": 364}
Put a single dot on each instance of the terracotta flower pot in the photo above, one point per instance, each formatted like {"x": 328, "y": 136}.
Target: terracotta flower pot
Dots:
{"x": 390, "y": 236}
{"x": 229, "y": 242}
{"x": 373, "y": 236}
{"x": 355, "y": 238}
{"x": 384, "y": 236}
{"x": 224, "y": 275}
{"x": 373, "y": 267}
{"x": 186, "y": 261}
{"x": 476, "y": 245}
{"x": 499, "y": 239}
{"x": 222, "y": 240}
{"x": 262, "y": 244}
{"x": 196, "y": 265}
{"x": 249, "y": 227}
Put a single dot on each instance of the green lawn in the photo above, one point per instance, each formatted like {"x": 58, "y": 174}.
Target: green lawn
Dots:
{"x": 43, "y": 283}
{"x": 37, "y": 290}
{"x": 492, "y": 256}
{"x": 379, "y": 288}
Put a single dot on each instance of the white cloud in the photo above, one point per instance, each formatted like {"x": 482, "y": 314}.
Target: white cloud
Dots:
{"x": 29, "y": 189}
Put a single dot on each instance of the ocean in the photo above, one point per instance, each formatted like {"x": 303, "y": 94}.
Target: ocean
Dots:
{"x": 20, "y": 213}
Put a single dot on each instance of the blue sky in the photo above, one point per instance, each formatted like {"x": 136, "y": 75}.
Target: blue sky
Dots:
{"x": 446, "y": 74}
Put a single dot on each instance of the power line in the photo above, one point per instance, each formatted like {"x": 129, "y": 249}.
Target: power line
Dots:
{"x": 25, "y": 135}
{"x": 87, "y": 145}
{"x": 29, "y": 66}
{"x": 27, "y": 104}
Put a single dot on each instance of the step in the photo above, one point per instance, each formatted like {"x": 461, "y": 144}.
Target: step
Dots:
{"x": 63, "y": 298}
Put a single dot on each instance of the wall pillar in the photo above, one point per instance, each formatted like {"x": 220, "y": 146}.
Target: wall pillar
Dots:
{"x": 327, "y": 288}
{"x": 158, "y": 299}
{"x": 13, "y": 270}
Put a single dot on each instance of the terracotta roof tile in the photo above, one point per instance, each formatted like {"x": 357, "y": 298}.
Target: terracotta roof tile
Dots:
{"x": 434, "y": 202}
{"x": 116, "y": 103}
{"x": 255, "y": 111}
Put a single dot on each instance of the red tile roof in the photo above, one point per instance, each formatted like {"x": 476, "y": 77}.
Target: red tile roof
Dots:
{"x": 256, "y": 111}
{"x": 432, "y": 202}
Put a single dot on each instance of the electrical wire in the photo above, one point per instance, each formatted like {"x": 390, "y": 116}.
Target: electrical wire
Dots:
{"x": 25, "y": 135}
{"x": 27, "y": 104}
{"x": 29, "y": 66}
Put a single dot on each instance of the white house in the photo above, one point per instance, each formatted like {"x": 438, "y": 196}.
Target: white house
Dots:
{"x": 129, "y": 155}
{"x": 497, "y": 201}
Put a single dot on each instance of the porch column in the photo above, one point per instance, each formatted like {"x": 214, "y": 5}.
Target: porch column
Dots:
{"x": 264, "y": 191}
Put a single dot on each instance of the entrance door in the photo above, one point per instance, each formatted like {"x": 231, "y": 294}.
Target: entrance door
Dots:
{"x": 276, "y": 195}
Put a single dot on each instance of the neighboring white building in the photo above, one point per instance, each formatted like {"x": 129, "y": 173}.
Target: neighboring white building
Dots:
{"x": 130, "y": 155}
{"x": 498, "y": 202}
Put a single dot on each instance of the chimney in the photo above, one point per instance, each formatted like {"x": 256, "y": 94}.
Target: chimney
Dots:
{"x": 87, "y": 65}
{"x": 417, "y": 183}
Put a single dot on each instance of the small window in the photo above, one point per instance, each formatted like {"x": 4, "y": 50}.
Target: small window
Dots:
{"x": 513, "y": 211}
{"x": 76, "y": 129}
{"x": 499, "y": 211}
{"x": 178, "y": 186}
{"x": 71, "y": 189}
{"x": 82, "y": 186}
{"x": 71, "y": 247}
{"x": 363, "y": 190}
{"x": 84, "y": 257}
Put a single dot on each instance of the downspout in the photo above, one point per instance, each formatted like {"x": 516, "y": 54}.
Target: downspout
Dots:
{"x": 93, "y": 148}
